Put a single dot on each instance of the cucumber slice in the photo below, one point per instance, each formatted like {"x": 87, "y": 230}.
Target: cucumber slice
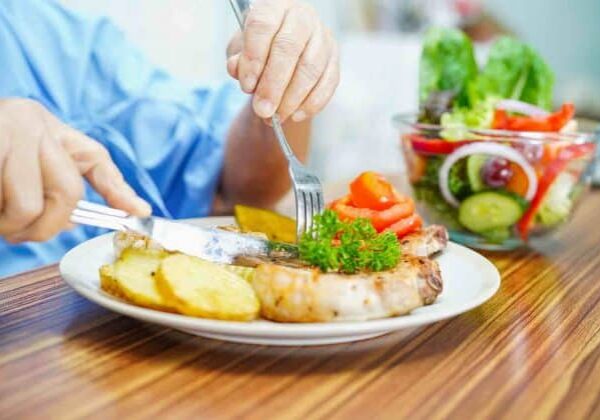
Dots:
{"x": 496, "y": 236}
{"x": 474, "y": 165}
{"x": 489, "y": 210}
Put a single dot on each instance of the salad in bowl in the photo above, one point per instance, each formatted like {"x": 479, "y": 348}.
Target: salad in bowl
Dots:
{"x": 487, "y": 155}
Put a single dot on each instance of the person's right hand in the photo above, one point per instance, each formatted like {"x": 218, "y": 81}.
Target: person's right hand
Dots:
{"x": 42, "y": 165}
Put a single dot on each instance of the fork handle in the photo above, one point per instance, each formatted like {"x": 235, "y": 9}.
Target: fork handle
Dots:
{"x": 240, "y": 9}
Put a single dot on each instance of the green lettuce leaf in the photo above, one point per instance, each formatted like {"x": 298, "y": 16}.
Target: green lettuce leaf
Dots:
{"x": 456, "y": 124}
{"x": 513, "y": 71}
{"x": 540, "y": 83}
{"x": 447, "y": 64}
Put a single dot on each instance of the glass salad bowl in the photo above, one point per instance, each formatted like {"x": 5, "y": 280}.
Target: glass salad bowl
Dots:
{"x": 496, "y": 189}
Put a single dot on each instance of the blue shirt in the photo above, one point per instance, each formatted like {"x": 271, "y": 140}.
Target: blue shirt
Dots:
{"x": 167, "y": 138}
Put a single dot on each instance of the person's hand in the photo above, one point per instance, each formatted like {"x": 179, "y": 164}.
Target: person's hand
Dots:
{"x": 42, "y": 165}
{"x": 286, "y": 57}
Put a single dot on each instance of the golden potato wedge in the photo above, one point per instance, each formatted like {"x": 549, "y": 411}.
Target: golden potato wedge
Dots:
{"x": 276, "y": 226}
{"x": 108, "y": 282}
{"x": 134, "y": 275}
{"x": 200, "y": 288}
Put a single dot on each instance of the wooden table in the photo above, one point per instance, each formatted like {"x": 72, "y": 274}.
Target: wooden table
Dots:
{"x": 531, "y": 351}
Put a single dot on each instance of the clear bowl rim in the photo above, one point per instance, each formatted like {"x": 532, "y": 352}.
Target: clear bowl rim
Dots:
{"x": 410, "y": 120}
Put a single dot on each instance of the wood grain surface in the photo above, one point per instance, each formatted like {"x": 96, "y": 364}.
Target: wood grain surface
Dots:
{"x": 532, "y": 351}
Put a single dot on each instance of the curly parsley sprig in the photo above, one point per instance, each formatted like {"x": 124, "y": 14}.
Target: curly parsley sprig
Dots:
{"x": 348, "y": 247}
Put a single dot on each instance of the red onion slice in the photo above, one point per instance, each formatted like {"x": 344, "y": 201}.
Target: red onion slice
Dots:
{"x": 491, "y": 149}
{"x": 524, "y": 108}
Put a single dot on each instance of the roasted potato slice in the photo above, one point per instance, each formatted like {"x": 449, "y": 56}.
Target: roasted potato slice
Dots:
{"x": 200, "y": 288}
{"x": 108, "y": 282}
{"x": 276, "y": 226}
{"x": 134, "y": 277}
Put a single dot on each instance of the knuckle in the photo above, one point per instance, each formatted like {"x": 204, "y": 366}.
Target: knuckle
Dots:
{"x": 310, "y": 70}
{"x": 23, "y": 214}
{"x": 260, "y": 23}
{"x": 287, "y": 44}
{"x": 69, "y": 193}
{"x": 100, "y": 151}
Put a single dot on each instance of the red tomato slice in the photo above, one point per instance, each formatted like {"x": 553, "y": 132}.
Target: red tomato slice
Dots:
{"x": 426, "y": 145}
{"x": 380, "y": 219}
{"x": 372, "y": 191}
{"x": 564, "y": 156}
{"x": 405, "y": 226}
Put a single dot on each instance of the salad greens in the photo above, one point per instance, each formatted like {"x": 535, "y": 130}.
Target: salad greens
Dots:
{"x": 513, "y": 71}
{"x": 456, "y": 124}
{"x": 348, "y": 247}
{"x": 447, "y": 64}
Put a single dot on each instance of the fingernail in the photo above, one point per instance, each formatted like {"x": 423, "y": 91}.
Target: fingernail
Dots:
{"x": 264, "y": 108}
{"x": 249, "y": 83}
{"x": 299, "y": 116}
{"x": 143, "y": 207}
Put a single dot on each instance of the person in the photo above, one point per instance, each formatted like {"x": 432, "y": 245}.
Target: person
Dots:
{"x": 84, "y": 115}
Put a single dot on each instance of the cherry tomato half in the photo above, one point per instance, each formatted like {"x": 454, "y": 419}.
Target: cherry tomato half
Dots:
{"x": 371, "y": 191}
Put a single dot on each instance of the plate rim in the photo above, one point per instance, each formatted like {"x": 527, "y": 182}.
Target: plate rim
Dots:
{"x": 262, "y": 328}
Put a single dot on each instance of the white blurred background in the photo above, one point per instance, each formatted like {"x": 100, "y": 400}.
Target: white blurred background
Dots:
{"x": 380, "y": 41}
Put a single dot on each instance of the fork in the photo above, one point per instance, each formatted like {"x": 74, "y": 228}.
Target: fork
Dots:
{"x": 308, "y": 191}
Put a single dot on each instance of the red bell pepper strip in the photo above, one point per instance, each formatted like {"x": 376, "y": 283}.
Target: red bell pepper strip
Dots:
{"x": 380, "y": 219}
{"x": 405, "y": 226}
{"x": 550, "y": 123}
{"x": 564, "y": 156}
{"x": 423, "y": 144}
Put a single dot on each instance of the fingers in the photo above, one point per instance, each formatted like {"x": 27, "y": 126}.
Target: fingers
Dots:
{"x": 236, "y": 44}
{"x": 262, "y": 24}
{"x": 288, "y": 45}
{"x": 232, "y": 65}
{"x": 95, "y": 164}
{"x": 21, "y": 188}
{"x": 308, "y": 72}
{"x": 323, "y": 91}
{"x": 63, "y": 187}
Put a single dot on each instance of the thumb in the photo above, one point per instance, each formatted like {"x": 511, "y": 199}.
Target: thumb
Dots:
{"x": 95, "y": 164}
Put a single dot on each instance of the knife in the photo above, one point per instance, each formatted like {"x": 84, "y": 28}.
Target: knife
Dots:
{"x": 207, "y": 243}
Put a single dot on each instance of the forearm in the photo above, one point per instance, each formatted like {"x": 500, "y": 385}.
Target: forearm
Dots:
{"x": 255, "y": 171}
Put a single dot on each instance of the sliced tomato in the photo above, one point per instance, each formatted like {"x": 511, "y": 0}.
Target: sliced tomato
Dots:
{"x": 380, "y": 219}
{"x": 550, "y": 123}
{"x": 551, "y": 172}
{"x": 371, "y": 190}
{"x": 518, "y": 182}
{"x": 406, "y": 225}
{"x": 422, "y": 144}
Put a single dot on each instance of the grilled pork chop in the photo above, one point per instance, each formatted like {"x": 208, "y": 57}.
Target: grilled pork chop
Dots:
{"x": 292, "y": 294}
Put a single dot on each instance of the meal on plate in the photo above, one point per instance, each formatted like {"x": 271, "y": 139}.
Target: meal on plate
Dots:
{"x": 487, "y": 155}
{"x": 368, "y": 256}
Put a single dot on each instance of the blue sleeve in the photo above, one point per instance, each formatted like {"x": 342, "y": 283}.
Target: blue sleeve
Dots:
{"x": 167, "y": 138}
{"x": 176, "y": 133}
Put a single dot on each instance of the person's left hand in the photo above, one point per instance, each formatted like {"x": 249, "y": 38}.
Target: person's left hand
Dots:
{"x": 286, "y": 57}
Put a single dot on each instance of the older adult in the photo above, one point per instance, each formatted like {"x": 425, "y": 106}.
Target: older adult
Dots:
{"x": 84, "y": 114}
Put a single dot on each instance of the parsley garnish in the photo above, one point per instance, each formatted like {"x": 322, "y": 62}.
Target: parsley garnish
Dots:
{"x": 348, "y": 247}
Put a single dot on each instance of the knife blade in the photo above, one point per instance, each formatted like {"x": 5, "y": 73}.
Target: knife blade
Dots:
{"x": 215, "y": 244}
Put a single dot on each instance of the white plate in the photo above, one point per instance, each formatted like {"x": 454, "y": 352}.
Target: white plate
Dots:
{"x": 469, "y": 280}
